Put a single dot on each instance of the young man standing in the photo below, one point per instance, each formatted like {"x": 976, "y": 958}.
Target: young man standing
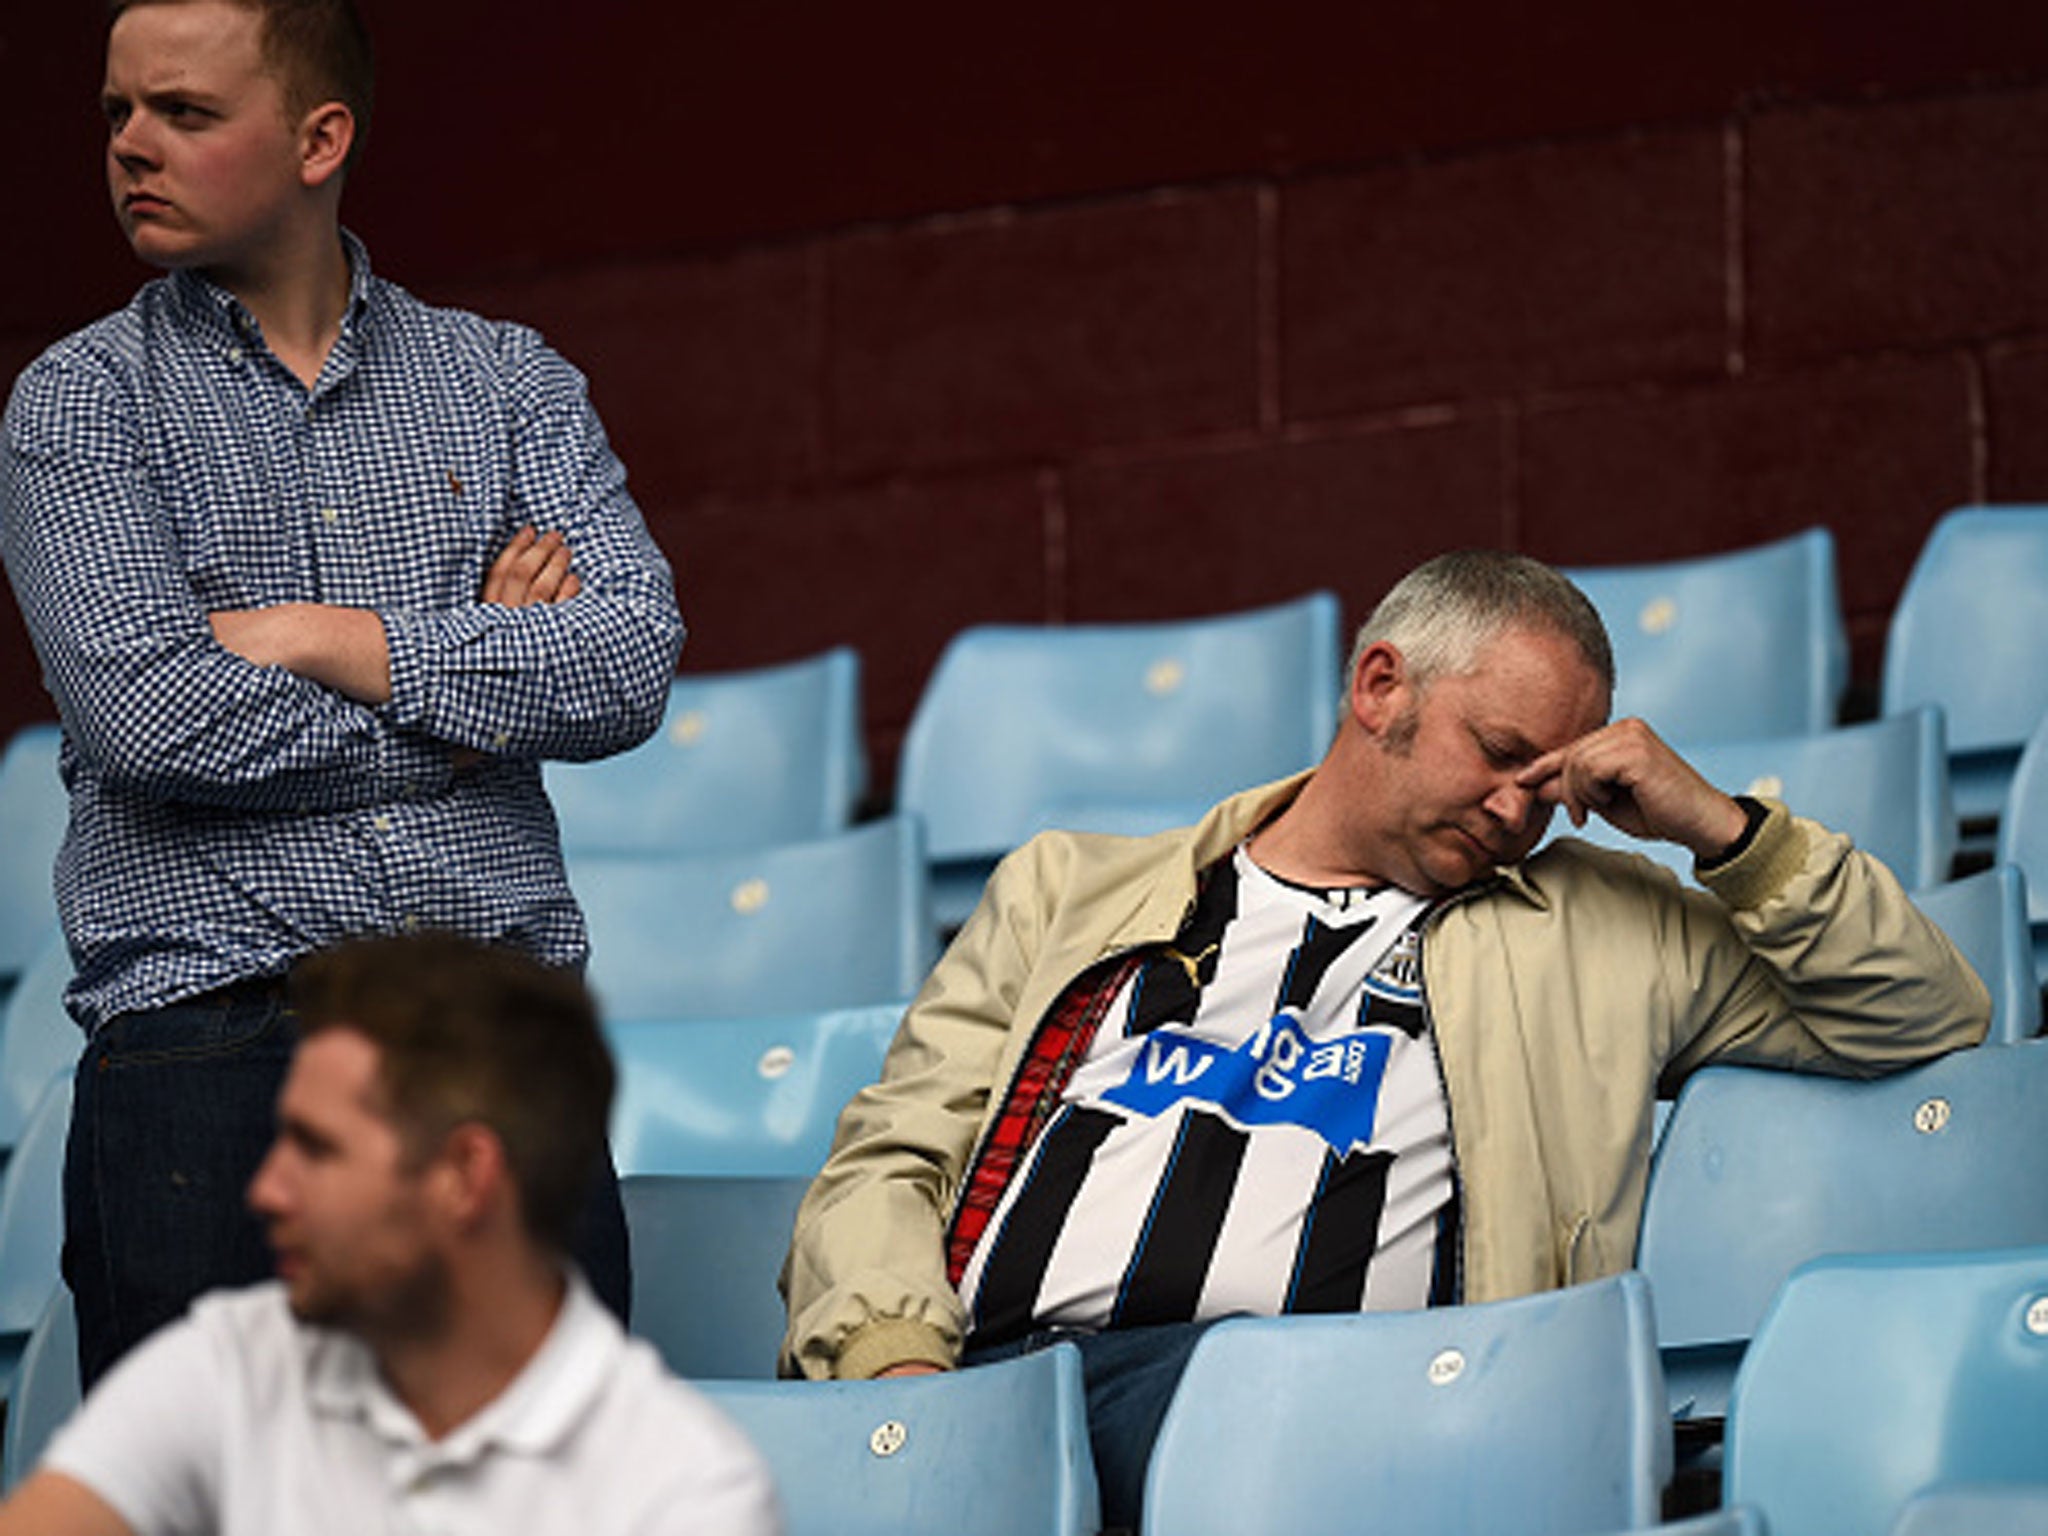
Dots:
{"x": 426, "y": 1358}
{"x": 295, "y": 552}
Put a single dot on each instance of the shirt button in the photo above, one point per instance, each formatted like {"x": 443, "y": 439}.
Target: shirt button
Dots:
{"x": 502, "y": 740}
{"x": 234, "y": 354}
{"x": 330, "y": 514}
{"x": 410, "y": 923}
{"x": 382, "y": 823}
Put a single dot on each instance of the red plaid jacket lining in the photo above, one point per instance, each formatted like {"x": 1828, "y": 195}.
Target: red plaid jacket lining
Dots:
{"x": 1060, "y": 1045}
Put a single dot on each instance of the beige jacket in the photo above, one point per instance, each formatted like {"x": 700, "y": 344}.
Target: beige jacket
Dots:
{"x": 1562, "y": 993}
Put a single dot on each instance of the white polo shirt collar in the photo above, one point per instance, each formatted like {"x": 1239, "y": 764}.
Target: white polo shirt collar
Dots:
{"x": 531, "y": 1417}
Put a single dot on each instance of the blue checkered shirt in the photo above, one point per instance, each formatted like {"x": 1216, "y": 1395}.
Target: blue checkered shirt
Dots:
{"x": 227, "y": 817}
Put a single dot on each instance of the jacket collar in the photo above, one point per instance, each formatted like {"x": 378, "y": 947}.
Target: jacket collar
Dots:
{"x": 1230, "y": 823}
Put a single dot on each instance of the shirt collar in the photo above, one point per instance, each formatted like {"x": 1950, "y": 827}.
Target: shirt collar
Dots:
{"x": 219, "y": 314}
{"x": 531, "y": 1417}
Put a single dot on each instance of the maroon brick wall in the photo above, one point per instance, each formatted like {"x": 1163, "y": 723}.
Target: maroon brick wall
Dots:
{"x": 1625, "y": 347}
{"x": 1195, "y": 353}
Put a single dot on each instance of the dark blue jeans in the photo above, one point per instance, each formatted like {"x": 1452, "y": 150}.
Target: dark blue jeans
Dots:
{"x": 1130, "y": 1375}
{"x": 173, "y": 1110}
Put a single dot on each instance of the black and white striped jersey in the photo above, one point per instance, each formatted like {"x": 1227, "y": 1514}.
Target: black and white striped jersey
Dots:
{"x": 1259, "y": 1127}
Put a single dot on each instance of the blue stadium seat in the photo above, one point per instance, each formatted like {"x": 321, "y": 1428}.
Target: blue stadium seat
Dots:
{"x": 838, "y": 922}
{"x": 741, "y": 1096}
{"x": 1103, "y": 725}
{"x": 32, "y": 1222}
{"x": 1985, "y": 916}
{"x": 38, "y": 1039}
{"x": 1738, "y": 1520}
{"x": 1967, "y": 635}
{"x": 1759, "y": 1171}
{"x": 769, "y": 755}
{"x": 1883, "y": 782}
{"x": 706, "y": 1254}
{"x": 34, "y": 809}
{"x": 1727, "y": 647}
{"x": 1539, "y": 1415}
{"x": 2023, "y": 839}
{"x": 46, "y": 1388}
{"x": 2009, "y": 1509}
{"x": 1876, "y": 1378}
{"x": 997, "y": 1450}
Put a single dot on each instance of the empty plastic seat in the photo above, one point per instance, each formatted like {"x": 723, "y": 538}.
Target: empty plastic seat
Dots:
{"x": 1540, "y": 1415}
{"x": 1877, "y": 1378}
{"x": 32, "y": 1222}
{"x": 1740, "y": 1520}
{"x": 1101, "y": 725}
{"x": 2023, "y": 839}
{"x": 839, "y": 922}
{"x": 770, "y": 755}
{"x": 741, "y": 1096}
{"x": 2009, "y": 1509}
{"x": 1728, "y": 646}
{"x": 34, "y": 809}
{"x": 1967, "y": 635}
{"x": 45, "y": 1388}
{"x": 1882, "y": 782}
{"x": 1759, "y": 1171}
{"x": 38, "y": 1039}
{"x": 1985, "y": 916}
{"x": 706, "y": 1254}
{"x": 998, "y": 1450}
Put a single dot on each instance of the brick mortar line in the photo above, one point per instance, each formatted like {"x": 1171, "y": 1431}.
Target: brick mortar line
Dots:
{"x": 1266, "y": 300}
{"x": 1052, "y": 503}
{"x": 1734, "y": 214}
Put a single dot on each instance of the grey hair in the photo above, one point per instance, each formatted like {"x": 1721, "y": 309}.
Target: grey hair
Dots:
{"x": 1443, "y": 612}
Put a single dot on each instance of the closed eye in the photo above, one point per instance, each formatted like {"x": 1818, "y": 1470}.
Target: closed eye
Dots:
{"x": 1504, "y": 752}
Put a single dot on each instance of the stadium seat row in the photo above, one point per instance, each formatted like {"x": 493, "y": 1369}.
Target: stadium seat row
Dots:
{"x": 1900, "y": 1393}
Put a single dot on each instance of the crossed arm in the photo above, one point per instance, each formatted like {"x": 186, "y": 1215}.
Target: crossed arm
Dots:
{"x": 266, "y": 709}
{"x": 345, "y": 648}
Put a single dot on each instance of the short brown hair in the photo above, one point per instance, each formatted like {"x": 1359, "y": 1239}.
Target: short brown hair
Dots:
{"x": 318, "y": 49}
{"x": 476, "y": 1033}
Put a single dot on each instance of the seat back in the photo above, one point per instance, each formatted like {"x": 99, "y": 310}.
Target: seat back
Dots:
{"x": 1874, "y": 1378}
{"x": 1019, "y": 721}
{"x": 999, "y": 1450}
{"x": 1730, "y": 646}
{"x": 837, "y": 922}
{"x": 32, "y": 1212}
{"x": 1882, "y": 782}
{"x": 1966, "y": 635}
{"x": 769, "y": 755}
{"x": 34, "y": 810}
{"x": 1738, "y": 1521}
{"x": 1985, "y": 916}
{"x": 2010, "y": 1509}
{"x": 2023, "y": 839}
{"x": 1542, "y": 1414}
{"x": 706, "y": 1254}
{"x": 741, "y": 1096}
{"x": 46, "y": 1390}
{"x": 1759, "y": 1171}
{"x": 38, "y": 1039}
